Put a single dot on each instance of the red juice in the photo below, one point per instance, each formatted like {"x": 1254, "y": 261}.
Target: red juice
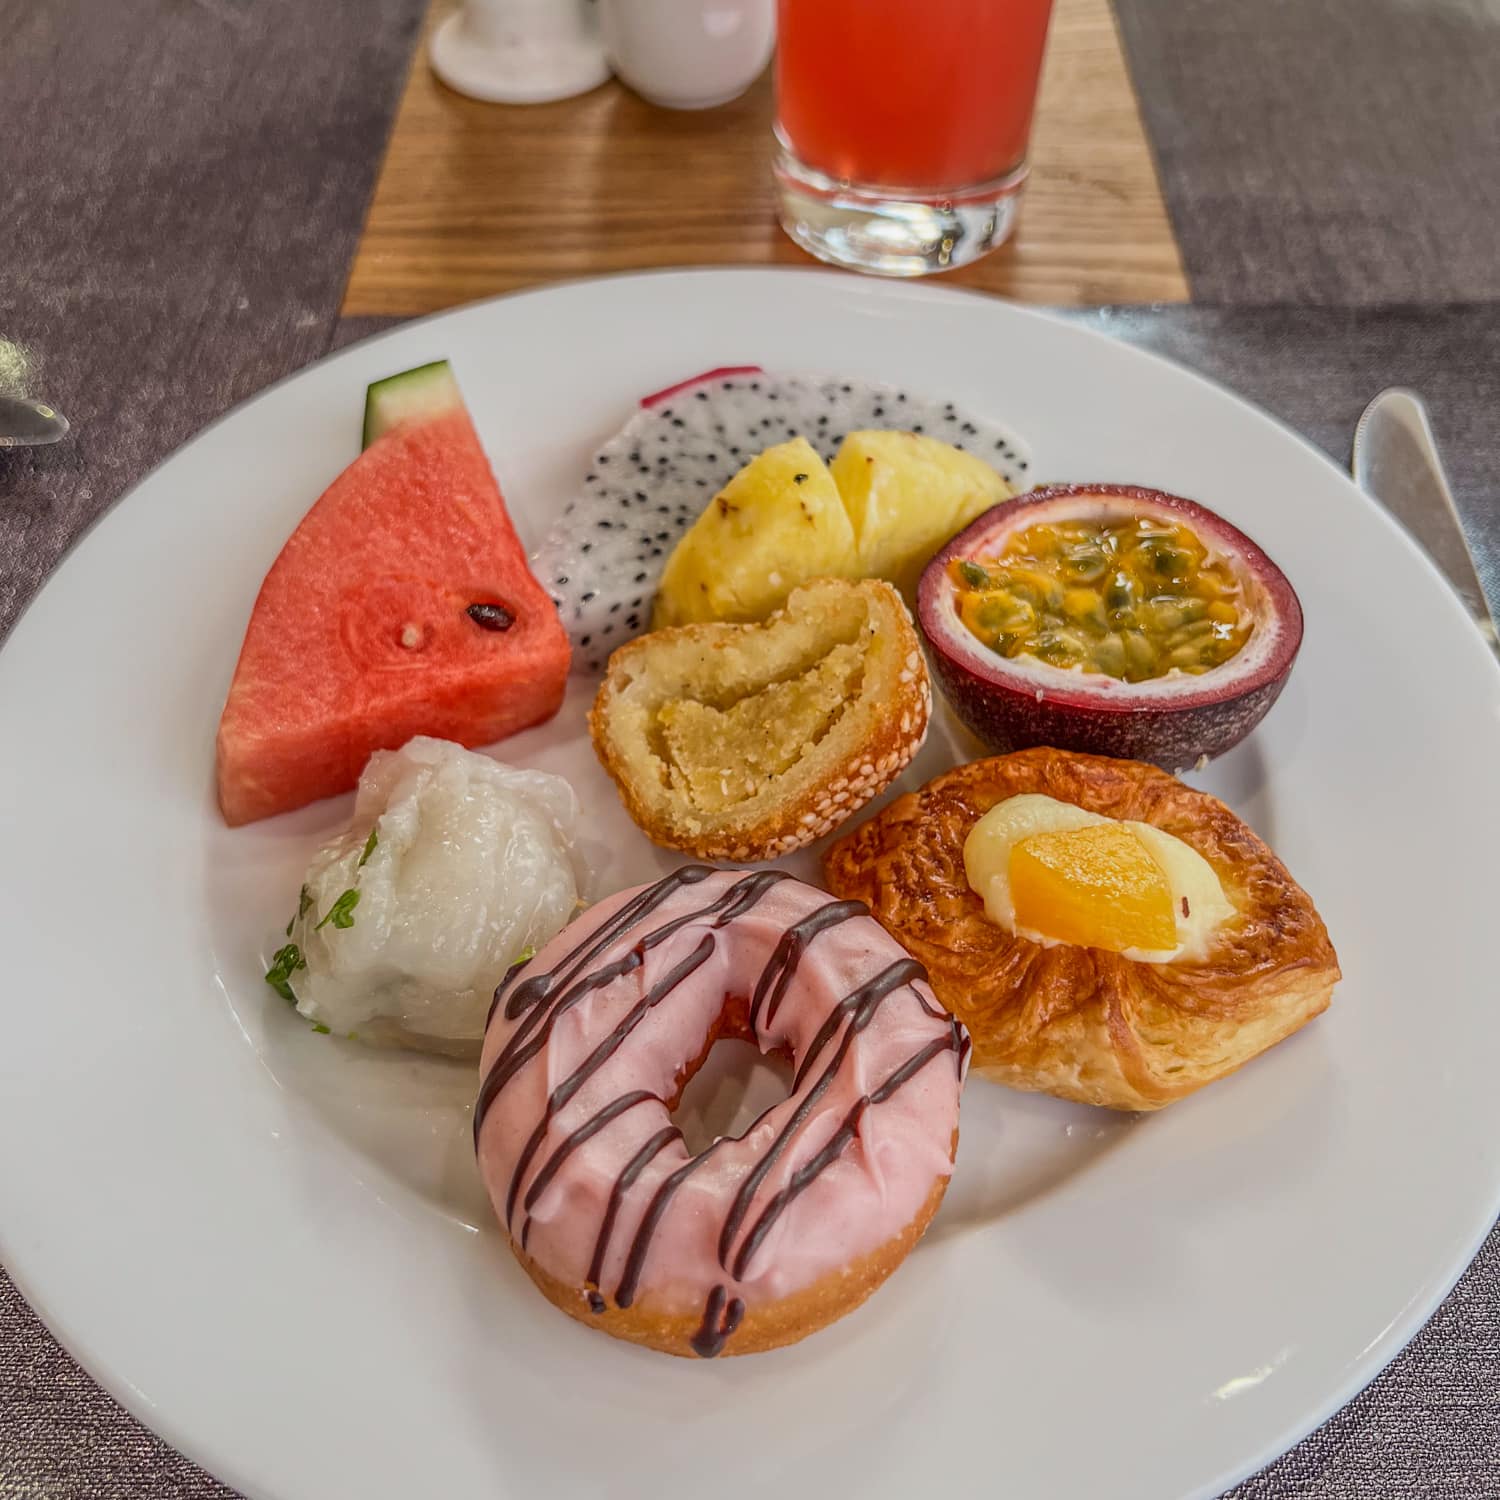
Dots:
{"x": 914, "y": 94}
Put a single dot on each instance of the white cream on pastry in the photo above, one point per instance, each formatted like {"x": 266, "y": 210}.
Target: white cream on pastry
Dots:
{"x": 1199, "y": 904}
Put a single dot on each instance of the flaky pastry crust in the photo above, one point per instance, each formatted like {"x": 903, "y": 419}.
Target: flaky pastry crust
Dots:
{"x": 1079, "y": 1022}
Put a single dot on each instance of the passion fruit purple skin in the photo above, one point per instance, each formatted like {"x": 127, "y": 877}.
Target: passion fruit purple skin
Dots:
{"x": 1176, "y": 721}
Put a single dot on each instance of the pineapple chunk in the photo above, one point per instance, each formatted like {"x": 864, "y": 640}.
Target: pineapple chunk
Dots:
{"x": 1096, "y": 886}
{"x": 776, "y": 524}
{"x": 889, "y": 502}
{"x": 906, "y": 494}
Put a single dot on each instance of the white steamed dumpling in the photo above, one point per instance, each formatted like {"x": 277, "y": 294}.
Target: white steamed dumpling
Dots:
{"x": 454, "y": 867}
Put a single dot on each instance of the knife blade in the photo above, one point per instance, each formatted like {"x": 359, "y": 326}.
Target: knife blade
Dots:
{"x": 1396, "y": 460}
{"x": 26, "y": 424}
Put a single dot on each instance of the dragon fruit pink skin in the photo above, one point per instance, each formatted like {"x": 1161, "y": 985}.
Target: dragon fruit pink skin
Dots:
{"x": 603, "y": 557}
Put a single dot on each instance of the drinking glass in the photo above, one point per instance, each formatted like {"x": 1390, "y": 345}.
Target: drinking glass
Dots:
{"x": 902, "y": 127}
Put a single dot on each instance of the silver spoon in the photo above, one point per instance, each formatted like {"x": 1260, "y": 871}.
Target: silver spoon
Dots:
{"x": 27, "y": 424}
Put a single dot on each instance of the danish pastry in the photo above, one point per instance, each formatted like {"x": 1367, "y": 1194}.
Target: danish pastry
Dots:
{"x": 1144, "y": 1015}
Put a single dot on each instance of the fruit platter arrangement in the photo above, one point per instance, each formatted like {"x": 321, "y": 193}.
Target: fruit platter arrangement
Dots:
{"x": 772, "y": 583}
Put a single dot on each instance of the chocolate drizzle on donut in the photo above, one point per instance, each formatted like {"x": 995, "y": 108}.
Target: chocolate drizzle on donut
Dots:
{"x": 808, "y": 1173}
{"x": 863, "y": 1004}
{"x": 633, "y": 1169}
{"x": 541, "y": 999}
{"x": 776, "y": 978}
{"x": 596, "y": 1059}
{"x": 529, "y": 996}
{"x": 719, "y": 1321}
{"x": 592, "y": 1127}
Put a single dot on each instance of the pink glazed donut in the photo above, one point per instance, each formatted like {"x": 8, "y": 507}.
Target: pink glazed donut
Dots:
{"x": 765, "y": 1237}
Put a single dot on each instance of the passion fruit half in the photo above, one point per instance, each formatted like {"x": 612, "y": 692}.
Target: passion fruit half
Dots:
{"x": 1012, "y": 698}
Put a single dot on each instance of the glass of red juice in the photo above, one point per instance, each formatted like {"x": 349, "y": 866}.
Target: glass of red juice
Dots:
{"x": 902, "y": 126}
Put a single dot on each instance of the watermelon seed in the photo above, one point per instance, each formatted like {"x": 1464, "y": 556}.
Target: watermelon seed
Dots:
{"x": 411, "y": 636}
{"x": 491, "y": 616}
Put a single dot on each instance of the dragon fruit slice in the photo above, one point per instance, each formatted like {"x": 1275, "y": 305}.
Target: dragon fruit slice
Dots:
{"x": 604, "y": 556}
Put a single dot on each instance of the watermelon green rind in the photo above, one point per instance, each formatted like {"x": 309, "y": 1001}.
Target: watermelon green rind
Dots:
{"x": 361, "y": 636}
{"x": 414, "y": 395}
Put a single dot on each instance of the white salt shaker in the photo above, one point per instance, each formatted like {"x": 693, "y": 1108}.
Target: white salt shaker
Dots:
{"x": 688, "y": 54}
{"x": 520, "y": 51}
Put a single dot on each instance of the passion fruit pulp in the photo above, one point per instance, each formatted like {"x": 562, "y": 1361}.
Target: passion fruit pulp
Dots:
{"x": 1012, "y": 697}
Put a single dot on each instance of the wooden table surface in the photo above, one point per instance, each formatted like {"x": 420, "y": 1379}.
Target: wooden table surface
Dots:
{"x": 476, "y": 199}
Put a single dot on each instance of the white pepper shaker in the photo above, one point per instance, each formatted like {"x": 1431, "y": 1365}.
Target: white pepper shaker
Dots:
{"x": 689, "y": 54}
{"x": 520, "y": 51}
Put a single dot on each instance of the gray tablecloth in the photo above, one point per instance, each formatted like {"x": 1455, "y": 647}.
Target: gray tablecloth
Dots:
{"x": 1328, "y": 151}
{"x": 181, "y": 186}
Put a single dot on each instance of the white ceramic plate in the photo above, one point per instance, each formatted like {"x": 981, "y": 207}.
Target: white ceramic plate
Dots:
{"x": 270, "y": 1245}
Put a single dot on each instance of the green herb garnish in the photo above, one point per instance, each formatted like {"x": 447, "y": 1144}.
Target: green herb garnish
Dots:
{"x": 341, "y": 913}
{"x": 321, "y": 1029}
{"x": 370, "y": 844}
{"x": 973, "y": 575}
{"x": 285, "y": 962}
{"x": 303, "y": 902}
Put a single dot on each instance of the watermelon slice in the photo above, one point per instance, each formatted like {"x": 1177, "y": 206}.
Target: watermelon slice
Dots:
{"x": 401, "y": 605}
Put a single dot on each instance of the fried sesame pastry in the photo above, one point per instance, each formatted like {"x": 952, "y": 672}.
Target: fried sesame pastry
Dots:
{"x": 745, "y": 742}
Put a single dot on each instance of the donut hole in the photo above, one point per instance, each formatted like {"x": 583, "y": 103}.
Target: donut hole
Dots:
{"x": 733, "y": 1086}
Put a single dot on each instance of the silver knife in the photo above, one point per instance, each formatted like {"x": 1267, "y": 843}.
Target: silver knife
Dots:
{"x": 24, "y": 424}
{"x": 1396, "y": 460}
